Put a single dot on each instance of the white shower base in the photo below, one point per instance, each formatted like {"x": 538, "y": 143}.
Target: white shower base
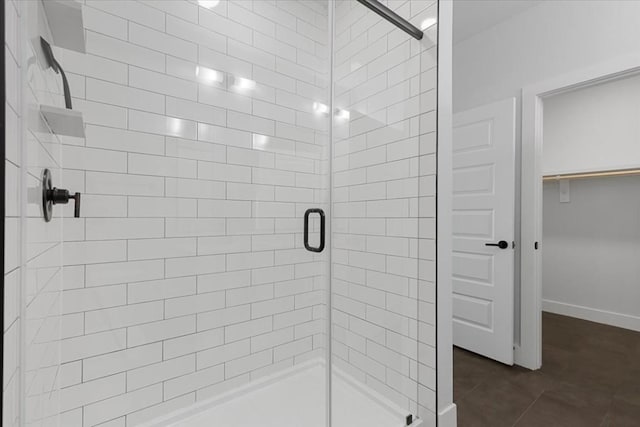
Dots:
{"x": 295, "y": 398}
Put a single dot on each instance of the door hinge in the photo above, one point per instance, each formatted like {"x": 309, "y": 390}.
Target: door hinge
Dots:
{"x": 535, "y": 245}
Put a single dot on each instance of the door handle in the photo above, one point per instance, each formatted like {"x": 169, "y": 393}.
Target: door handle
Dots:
{"x": 306, "y": 230}
{"x": 502, "y": 244}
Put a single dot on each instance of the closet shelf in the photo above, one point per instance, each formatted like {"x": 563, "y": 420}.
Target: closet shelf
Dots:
{"x": 63, "y": 121}
{"x": 597, "y": 174}
{"x": 66, "y": 24}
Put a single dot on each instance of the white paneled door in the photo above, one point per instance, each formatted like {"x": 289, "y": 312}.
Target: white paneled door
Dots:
{"x": 483, "y": 230}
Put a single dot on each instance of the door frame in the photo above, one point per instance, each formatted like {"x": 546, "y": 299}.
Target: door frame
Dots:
{"x": 446, "y": 409}
{"x": 529, "y": 352}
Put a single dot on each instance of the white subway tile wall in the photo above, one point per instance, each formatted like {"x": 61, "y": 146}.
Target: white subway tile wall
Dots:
{"x": 33, "y": 249}
{"x": 187, "y": 274}
{"x": 384, "y": 151}
{"x": 12, "y": 227}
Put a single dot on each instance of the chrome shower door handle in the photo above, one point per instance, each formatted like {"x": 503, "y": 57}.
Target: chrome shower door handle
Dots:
{"x": 306, "y": 229}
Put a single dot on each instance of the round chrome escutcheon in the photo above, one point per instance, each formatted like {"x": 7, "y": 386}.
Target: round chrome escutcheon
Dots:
{"x": 47, "y": 205}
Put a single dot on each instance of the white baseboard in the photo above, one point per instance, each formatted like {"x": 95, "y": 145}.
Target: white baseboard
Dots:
{"x": 448, "y": 417}
{"x": 592, "y": 314}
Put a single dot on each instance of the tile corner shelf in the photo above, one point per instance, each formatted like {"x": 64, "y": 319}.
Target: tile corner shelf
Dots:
{"x": 63, "y": 121}
{"x": 66, "y": 24}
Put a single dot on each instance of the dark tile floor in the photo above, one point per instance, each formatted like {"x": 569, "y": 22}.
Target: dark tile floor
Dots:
{"x": 590, "y": 376}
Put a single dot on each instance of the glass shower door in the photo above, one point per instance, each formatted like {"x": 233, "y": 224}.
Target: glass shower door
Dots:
{"x": 383, "y": 200}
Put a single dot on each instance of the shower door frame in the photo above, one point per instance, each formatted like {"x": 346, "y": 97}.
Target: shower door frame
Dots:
{"x": 3, "y": 150}
{"x": 329, "y": 228}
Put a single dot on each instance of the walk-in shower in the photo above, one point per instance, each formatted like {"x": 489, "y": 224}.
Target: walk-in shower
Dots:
{"x": 255, "y": 244}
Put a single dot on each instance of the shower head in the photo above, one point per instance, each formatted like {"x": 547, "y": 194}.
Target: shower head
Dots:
{"x": 48, "y": 54}
{"x": 53, "y": 63}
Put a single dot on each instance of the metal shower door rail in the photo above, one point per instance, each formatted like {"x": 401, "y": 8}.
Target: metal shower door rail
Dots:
{"x": 393, "y": 17}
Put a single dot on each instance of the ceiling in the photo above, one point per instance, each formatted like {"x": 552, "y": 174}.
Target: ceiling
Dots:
{"x": 471, "y": 17}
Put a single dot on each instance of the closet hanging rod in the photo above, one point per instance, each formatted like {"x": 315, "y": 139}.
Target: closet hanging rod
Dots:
{"x": 393, "y": 17}
{"x": 624, "y": 172}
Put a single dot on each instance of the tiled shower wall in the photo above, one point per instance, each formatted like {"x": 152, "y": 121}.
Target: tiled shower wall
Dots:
{"x": 186, "y": 275}
{"x": 10, "y": 416}
{"x": 33, "y": 248}
{"x": 384, "y": 203}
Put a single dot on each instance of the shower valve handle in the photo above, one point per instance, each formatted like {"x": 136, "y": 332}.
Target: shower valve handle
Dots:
{"x": 56, "y": 196}
{"x": 62, "y": 196}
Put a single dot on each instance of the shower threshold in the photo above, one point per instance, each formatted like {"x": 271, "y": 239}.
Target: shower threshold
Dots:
{"x": 292, "y": 398}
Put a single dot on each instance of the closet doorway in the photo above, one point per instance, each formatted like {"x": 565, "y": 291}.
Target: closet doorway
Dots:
{"x": 581, "y": 236}
{"x": 591, "y": 203}
{"x": 580, "y": 169}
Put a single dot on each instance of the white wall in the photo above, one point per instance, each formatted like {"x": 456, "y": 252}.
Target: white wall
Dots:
{"x": 593, "y": 129}
{"x": 546, "y": 40}
{"x": 590, "y": 265}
